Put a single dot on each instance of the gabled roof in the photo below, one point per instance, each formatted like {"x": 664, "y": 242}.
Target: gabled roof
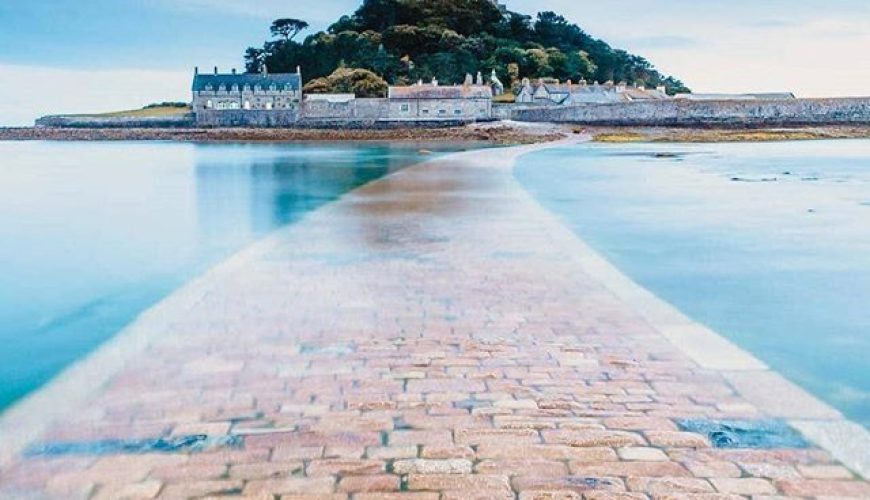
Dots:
{"x": 557, "y": 88}
{"x": 281, "y": 80}
{"x": 439, "y": 92}
{"x": 641, "y": 94}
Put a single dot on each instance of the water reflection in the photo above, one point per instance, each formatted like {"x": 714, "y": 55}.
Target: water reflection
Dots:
{"x": 94, "y": 233}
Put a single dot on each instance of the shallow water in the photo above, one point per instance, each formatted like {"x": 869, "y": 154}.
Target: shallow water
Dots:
{"x": 768, "y": 244}
{"x": 91, "y": 234}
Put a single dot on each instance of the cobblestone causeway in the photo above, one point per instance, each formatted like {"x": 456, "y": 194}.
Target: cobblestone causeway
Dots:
{"x": 429, "y": 336}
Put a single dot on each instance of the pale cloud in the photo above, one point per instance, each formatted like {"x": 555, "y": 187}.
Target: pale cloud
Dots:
{"x": 317, "y": 13}
{"x": 52, "y": 91}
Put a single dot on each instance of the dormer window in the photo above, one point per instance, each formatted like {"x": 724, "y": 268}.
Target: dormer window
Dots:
{"x": 222, "y": 88}
{"x": 247, "y": 88}
{"x": 209, "y": 87}
{"x": 257, "y": 88}
{"x": 288, "y": 87}
{"x": 273, "y": 87}
{"x": 235, "y": 88}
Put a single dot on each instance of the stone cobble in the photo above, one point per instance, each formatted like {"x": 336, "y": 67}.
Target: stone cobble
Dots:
{"x": 423, "y": 338}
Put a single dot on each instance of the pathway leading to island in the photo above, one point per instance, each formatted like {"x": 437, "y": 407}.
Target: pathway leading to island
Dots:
{"x": 433, "y": 335}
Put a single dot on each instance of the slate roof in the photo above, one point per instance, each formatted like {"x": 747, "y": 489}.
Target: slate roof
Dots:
{"x": 433, "y": 92}
{"x": 201, "y": 81}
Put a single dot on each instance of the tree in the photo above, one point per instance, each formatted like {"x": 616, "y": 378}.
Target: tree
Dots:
{"x": 288, "y": 28}
{"x": 360, "y": 82}
{"x": 405, "y": 40}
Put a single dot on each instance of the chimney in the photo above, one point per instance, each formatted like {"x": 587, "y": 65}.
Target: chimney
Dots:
{"x": 299, "y": 70}
{"x": 215, "y": 70}
{"x": 662, "y": 89}
{"x": 434, "y": 82}
{"x": 195, "y": 70}
{"x": 264, "y": 69}
{"x": 469, "y": 80}
{"x": 234, "y": 71}
{"x": 479, "y": 78}
{"x": 420, "y": 82}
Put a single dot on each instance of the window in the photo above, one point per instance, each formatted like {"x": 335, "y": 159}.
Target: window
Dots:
{"x": 209, "y": 104}
{"x": 457, "y": 112}
{"x": 442, "y": 111}
{"x": 268, "y": 105}
{"x": 425, "y": 111}
{"x": 247, "y": 104}
{"x": 405, "y": 108}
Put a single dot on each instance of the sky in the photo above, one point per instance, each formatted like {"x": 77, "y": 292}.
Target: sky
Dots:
{"x": 74, "y": 56}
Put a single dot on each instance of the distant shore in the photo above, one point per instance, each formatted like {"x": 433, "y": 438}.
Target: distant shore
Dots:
{"x": 504, "y": 133}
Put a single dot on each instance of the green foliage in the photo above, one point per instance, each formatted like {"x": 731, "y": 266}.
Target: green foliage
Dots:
{"x": 167, "y": 105}
{"x": 361, "y": 82}
{"x": 407, "y": 40}
{"x": 288, "y": 28}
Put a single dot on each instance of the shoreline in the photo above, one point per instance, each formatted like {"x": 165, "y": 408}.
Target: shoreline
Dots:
{"x": 622, "y": 135}
{"x": 500, "y": 133}
{"x": 494, "y": 132}
{"x": 750, "y": 378}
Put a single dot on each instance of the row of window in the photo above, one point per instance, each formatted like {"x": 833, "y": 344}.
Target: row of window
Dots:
{"x": 209, "y": 104}
{"x": 247, "y": 88}
{"x": 406, "y": 108}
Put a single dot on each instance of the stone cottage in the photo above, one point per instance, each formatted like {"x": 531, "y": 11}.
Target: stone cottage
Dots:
{"x": 246, "y": 98}
{"x": 424, "y": 102}
{"x": 546, "y": 93}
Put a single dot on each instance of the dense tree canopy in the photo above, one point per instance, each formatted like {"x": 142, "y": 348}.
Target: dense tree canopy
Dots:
{"x": 407, "y": 40}
{"x": 361, "y": 82}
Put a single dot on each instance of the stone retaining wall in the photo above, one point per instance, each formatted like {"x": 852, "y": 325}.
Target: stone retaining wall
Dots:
{"x": 711, "y": 113}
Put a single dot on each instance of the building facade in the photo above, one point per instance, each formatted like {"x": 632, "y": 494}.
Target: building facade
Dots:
{"x": 255, "y": 92}
{"x": 431, "y": 101}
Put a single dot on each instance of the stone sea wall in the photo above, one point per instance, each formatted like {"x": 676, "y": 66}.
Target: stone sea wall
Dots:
{"x": 837, "y": 111}
{"x": 73, "y": 121}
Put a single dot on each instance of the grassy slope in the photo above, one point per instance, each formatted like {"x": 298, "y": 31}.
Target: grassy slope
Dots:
{"x": 163, "y": 111}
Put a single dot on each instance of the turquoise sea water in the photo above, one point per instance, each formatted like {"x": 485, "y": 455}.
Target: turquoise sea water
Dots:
{"x": 91, "y": 234}
{"x": 768, "y": 244}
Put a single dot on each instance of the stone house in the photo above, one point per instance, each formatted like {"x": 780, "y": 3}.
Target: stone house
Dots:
{"x": 425, "y": 102}
{"x": 254, "y": 92}
{"x": 570, "y": 94}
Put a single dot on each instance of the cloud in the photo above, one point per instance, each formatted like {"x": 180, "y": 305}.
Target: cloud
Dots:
{"x": 53, "y": 90}
{"x": 661, "y": 42}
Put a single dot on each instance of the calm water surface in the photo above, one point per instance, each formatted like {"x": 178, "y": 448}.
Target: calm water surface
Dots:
{"x": 91, "y": 234}
{"x": 768, "y": 244}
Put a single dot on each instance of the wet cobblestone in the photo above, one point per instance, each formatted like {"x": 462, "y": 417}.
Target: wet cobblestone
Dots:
{"x": 489, "y": 365}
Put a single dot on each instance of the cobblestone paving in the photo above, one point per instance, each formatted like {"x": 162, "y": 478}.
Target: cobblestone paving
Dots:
{"x": 424, "y": 338}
